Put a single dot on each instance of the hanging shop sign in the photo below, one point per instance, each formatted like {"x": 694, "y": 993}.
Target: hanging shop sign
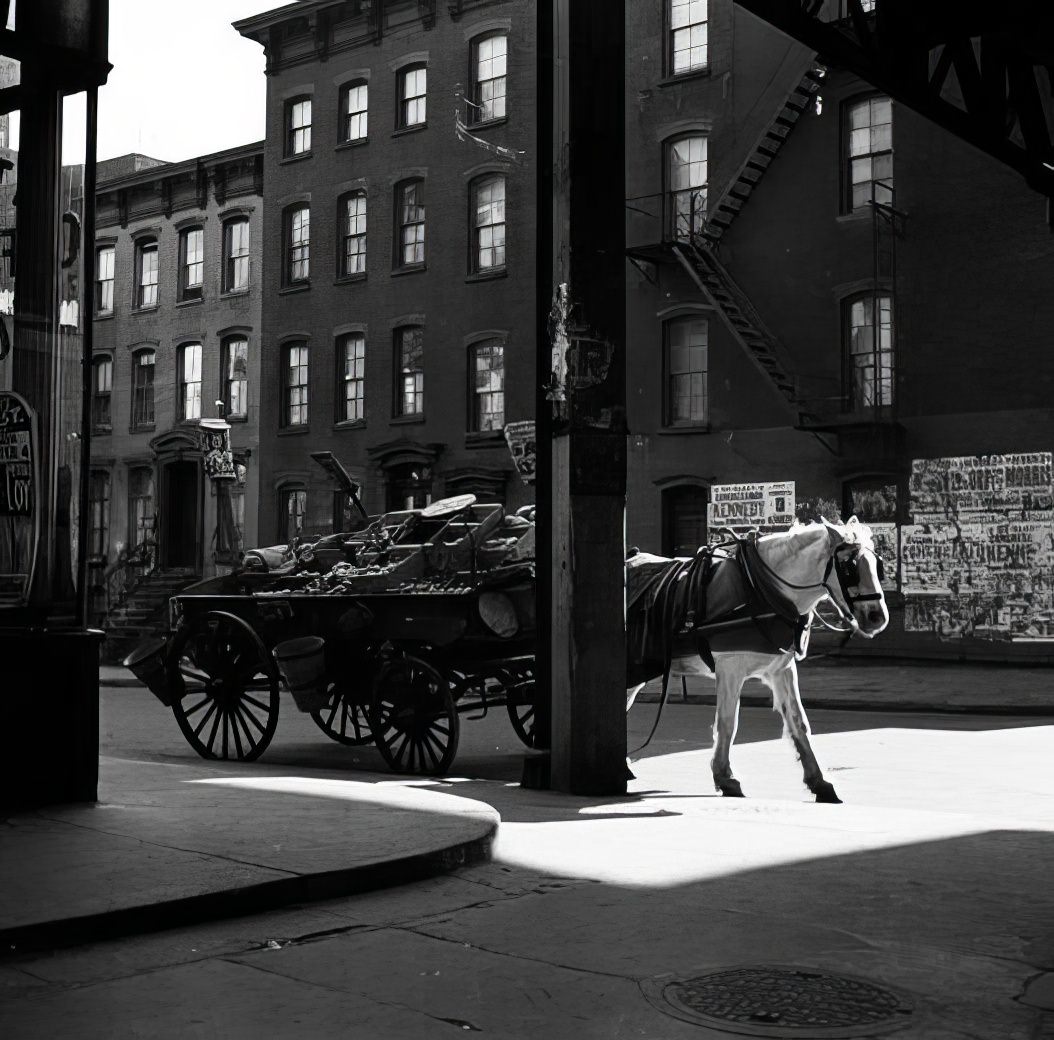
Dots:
{"x": 216, "y": 454}
{"x": 751, "y": 505}
{"x": 520, "y": 437}
{"x": 19, "y": 533}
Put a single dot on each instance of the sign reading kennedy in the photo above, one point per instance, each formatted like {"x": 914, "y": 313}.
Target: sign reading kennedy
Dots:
{"x": 751, "y": 505}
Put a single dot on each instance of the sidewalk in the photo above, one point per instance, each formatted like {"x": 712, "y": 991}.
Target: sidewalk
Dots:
{"x": 169, "y": 845}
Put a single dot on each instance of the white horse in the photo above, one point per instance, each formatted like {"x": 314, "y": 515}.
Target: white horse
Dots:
{"x": 799, "y": 569}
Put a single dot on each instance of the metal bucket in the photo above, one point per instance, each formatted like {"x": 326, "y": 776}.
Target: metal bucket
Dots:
{"x": 302, "y": 663}
{"x": 147, "y": 663}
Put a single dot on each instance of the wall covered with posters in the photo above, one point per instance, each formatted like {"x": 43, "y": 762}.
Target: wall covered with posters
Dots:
{"x": 977, "y": 557}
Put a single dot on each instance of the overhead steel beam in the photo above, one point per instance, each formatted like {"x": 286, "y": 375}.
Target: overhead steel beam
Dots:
{"x": 983, "y": 73}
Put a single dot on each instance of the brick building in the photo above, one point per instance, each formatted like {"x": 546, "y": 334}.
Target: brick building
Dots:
{"x": 177, "y": 300}
{"x": 777, "y": 209}
{"x": 399, "y": 286}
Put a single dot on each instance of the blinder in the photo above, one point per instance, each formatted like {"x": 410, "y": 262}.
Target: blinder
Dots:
{"x": 846, "y": 567}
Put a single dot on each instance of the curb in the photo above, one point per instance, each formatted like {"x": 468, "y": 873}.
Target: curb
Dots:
{"x": 240, "y": 902}
{"x": 761, "y": 700}
{"x": 120, "y": 681}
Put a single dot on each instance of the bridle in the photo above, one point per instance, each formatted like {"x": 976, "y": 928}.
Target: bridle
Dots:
{"x": 844, "y": 563}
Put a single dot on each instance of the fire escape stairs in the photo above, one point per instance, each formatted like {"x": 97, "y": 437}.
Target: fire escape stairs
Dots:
{"x": 768, "y": 147}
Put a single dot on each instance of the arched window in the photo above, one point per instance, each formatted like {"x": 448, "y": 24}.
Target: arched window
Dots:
{"x": 487, "y": 386}
{"x": 354, "y": 108}
{"x": 409, "y": 371}
{"x": 868, "y": 132}
{"x": 685, "y": 367}
{"x": 295, "y": 375}
{"x": 146, "y": 272}
{"x": 413, "y": 96}
{"x": 297, "y": 221}
{"x": 352, "y": 218}
{"x": 410, "y": 223}
{"x": 489, "y": 57}
{"x": 102, "y": 393}
{"x": 686, "y": 178}
{"x": 191, "y": 263}
{"x": 868, "y": 355}
{"x": 189, "y": 368}
{"x": 488, "y": 223}
{"x": 292, "y": 513}
{"x": 143, "y": 389}
{"x": 235, "y": 389}
{"x": 236, "y": 254}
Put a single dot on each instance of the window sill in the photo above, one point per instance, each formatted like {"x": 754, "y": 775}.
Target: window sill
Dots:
{"x": 349, "y": 279}
{"x": 488, "y": 124}
{"x": 299, "y": 157}
{"x": 485, "y": 439}
{"x": 856, "y": 217}
{"x": 293, "y": 431}
{"x": 408, "y": 269}
{"x": 298, "y": 287}
{"x": 406, "y": 420}
{"x": 146, "y": 310}
{"x": 487, "y": 276}
{"x": 226, "y": 293}
{"x": 101, "y": 431}
{"x": 350, "y": 424}
{"x": 143, "y": 428}
{"x": 344, "y": 146}
{"x": 190, "y": 303}
{"x": 236, "y": 418}
{"x": 674, "y": 431}
{"x": 402, "y": 131}
{"x": 104, "y": 316}
{"x": 683, "y": 77}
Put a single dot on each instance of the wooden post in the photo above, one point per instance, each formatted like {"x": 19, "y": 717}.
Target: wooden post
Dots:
{"x": 588, "y": 460}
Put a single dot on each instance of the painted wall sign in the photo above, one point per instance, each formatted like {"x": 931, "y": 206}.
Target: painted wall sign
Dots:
{"x": 16, "y": 456}
{"x": 751, "y": 505}
{"x": 978, "y": 558}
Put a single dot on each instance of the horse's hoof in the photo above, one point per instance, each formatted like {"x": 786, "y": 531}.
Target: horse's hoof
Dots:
{"x": 730, "y": 788}
{"x": 826, "y": 793}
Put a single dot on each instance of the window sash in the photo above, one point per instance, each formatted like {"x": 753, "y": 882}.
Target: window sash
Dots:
{"x": 143, "y": 389}
{"x": 488, "y": 412}
{"x": 687, "y": 171}
{"x": 295, "y": 510}
{"x": 148, "y": 275}
{"x": 236, "y": 255}
{"x": 300, "y": 127}
{"x": 236, "y": 377}
{"x": 870, "y": 363}
{"x": 689, "y": 36}
{"x": 299, "y": 245}
{"x": 104, "y": 280}
{"x": 414, "y": 97}
{"x": 193, "y": 249}
{"x": 491, "y": 69}
{"x": 98, "y": 514}
{"x": 190, "y": 381}
{"x": 411, "y": 377}
{"x": 354, "y": 252}
{"x": 102, "y": 393}
{"x": 356, "y": 113}
{"x": 869, "y": 162}
{"x": 140, "y": 505}
{"x": 687, "y": 376}
{"x": 412, "y": 224}
{"x": 490, "y": 224}
{"x": 296, "y": 385}
{"x": 354, "y": 359}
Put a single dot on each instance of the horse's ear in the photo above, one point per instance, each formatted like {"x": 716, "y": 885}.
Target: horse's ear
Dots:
{"x": 835, "y": 534}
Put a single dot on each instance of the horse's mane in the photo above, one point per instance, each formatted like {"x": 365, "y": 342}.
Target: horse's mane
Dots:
{"x": 853, "y": 532}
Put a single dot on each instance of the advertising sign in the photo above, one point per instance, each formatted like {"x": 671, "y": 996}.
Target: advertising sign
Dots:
{"x": 18, "y": 497}
{"x": 751, "y": 505}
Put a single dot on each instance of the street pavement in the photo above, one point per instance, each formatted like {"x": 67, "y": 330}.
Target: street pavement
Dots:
{"x": 931, "y": 881}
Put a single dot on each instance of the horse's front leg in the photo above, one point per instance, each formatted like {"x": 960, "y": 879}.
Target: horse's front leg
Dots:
{"x": 787, "y": 696}
{"x": 726, "y": 722}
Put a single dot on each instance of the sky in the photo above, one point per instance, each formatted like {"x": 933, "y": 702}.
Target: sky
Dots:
{"x": 183, "y": 83}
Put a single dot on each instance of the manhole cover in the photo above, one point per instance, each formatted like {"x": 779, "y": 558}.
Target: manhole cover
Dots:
{"x": 769, "y": 1000}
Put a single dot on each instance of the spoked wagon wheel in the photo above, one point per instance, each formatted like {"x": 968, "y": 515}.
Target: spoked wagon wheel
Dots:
{"x": 344, "y": 718}
{"x": 413, "y": 717}
{"x": 519, "y": 704}
{"x": 225, "y": 692}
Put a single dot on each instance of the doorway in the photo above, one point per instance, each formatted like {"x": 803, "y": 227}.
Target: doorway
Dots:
{"x": 180, "y": 516}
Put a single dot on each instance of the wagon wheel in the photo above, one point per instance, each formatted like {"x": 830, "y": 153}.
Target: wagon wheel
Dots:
{"x": 225, "y": 694}
{"x": 413, "y": 717}
{"x": 519, "y": 704}
{"x": 344, "y": 718}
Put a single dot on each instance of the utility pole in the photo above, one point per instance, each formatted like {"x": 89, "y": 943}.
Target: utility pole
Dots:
{"x": 582, "y": 411}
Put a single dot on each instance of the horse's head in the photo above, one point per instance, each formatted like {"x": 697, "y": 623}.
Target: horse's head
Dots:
{"x": 858, "y": 572}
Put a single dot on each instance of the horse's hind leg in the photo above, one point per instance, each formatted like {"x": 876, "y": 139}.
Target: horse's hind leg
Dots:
{"x": 726, "y": 722}
{"x": 787, "y": 696}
